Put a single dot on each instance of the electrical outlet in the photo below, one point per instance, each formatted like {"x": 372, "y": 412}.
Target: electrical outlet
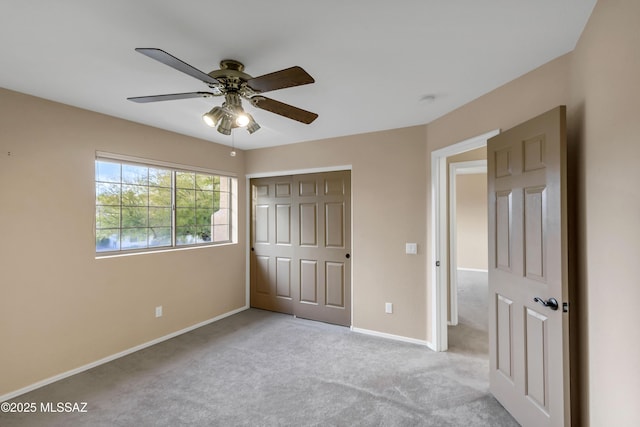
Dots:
{"x": 388, "y": 307}
{"x": 159, "y": 311}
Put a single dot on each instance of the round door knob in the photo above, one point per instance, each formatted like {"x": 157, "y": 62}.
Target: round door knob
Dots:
{"x": 348, "y": 256}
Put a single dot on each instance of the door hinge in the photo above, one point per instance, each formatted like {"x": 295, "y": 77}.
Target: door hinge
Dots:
{"x": 565, "y": 307}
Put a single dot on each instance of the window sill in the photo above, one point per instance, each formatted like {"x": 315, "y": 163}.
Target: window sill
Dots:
{"x": 163, "y": 250}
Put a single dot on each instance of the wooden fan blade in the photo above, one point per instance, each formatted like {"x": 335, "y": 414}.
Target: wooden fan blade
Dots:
{"x": 294, "y": 76}
{"x": 173, "y": 62}
{"x": 170, "y": 97}
{"x": 283, "y": 109}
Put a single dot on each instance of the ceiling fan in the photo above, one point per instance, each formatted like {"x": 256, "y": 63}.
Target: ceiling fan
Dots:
{"x": 233, "y": 83}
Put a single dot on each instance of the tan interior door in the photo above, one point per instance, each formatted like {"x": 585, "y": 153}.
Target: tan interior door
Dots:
{"x": 323, "y": 250}
{"x": 301, "y": 240}
{"x": 272, "y": 244}
{"x": 529, "y": 341}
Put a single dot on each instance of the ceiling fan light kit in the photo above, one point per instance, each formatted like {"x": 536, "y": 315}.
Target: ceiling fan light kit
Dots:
{"x": 225, "y": 126}
{"x": 212, "y": 117}
{"x": 234, "y": 84}
{"x": 230, "y": 116}
{"x": 242, "y": 120}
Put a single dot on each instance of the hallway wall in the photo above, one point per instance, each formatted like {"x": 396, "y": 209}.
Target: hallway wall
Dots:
{"x": 604, "y": 126}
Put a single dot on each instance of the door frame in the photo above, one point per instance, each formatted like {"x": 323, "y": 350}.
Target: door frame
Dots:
{"x": 270, "y": 174}
{"x": 455, "y": 169}
{"x": 439, "y": 228}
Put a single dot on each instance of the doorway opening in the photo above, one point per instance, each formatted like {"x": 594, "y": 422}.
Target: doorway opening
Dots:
{"x": 440, "y": 277}
{"x": 468, "y": 289}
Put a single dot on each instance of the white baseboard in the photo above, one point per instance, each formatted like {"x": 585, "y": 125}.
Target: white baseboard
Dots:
{"x": 473, "y": 269}
{"x": 108, "y": 359}
{"x": 393, "y": 337}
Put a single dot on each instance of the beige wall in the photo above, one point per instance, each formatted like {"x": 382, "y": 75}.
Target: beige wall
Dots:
{"x": 604, "y": 126}
{"x": 472, "y": 216}
{"x": 511, "y": 104}
{"x": 61, "y": 308}
{"x": 467, "y": 156}
{"x": 471, "y": 221}
{"x": 389, "y": 192}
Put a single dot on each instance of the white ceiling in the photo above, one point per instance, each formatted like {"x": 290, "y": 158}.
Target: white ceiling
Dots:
{"x": 373, "y": 61}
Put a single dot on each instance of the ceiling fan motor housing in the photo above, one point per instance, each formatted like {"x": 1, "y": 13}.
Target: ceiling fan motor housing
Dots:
{"x": 231, "y": 74}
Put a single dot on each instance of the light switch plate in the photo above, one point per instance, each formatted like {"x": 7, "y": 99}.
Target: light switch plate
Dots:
{"x": 411, "y": 248}
{"x": 388, "y": 307}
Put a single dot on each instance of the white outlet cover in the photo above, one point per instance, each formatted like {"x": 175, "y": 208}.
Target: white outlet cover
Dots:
{"x": 411, "y": 248}
{"x": 159, "y": 311}
{"x": 388, "y": 307}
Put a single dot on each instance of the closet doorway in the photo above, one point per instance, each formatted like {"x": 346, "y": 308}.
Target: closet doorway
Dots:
{"x": 300, "y": 261}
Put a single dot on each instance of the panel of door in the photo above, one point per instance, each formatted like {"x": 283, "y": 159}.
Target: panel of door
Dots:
{"x": 272, "y": 247}
{"x": 300, "y": 243}
{"x": 528, "y": 272}
{"x": 323, "y": 247}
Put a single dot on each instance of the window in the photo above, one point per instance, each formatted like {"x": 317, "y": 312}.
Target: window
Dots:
{"x": 144, "y": 206}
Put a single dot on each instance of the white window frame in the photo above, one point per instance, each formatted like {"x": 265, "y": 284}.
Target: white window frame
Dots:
{"x": 173, "y": 167}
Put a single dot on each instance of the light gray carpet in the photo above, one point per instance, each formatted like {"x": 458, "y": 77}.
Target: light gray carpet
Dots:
{"x": 259, "y": 368}
{"x": 473, "y": 298}
{"x": 470, "y": 335}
